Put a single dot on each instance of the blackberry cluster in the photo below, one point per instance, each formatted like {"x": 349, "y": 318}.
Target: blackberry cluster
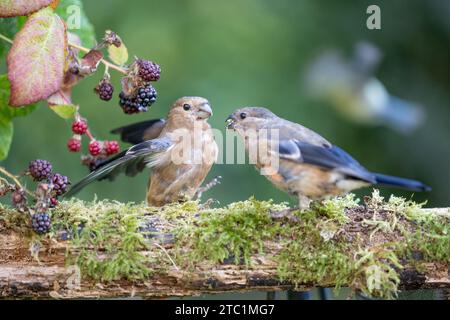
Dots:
{"x": 40, "y": 169}
{"x": 60, "y": 184}
{"x": 105, "y": 90}
{"x": 140, "y": 102}
{"x": 41, "y": 223}
{"x": 148, "y": 70}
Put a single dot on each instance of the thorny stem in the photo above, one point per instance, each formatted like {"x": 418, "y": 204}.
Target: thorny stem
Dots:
{"x": 105, "y": 62}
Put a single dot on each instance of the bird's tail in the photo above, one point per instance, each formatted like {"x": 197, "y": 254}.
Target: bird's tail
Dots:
{"x": 403, "y": 183}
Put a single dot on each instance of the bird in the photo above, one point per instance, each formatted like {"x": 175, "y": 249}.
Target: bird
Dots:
{"x": 307, "y": 165}
{"x": 350, "y": 86}
{"x": 180, "y": 151}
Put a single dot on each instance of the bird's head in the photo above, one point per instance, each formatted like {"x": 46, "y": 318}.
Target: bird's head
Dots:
{"x": 250, "y": 118}
{"x": 190, "y": 110}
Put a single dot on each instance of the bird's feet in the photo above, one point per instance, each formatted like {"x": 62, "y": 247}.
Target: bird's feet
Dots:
{"x": 214, "y": 182}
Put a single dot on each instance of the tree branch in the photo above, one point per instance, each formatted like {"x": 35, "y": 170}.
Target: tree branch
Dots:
{"x": 22, "y": 276}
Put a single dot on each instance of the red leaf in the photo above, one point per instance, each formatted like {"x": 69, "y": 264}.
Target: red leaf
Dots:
{"x": 37, "y": 58}
{"x": 14, "y": 8}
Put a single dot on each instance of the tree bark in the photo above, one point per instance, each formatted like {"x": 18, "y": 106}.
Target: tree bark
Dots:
{"x": 22, "y": 276}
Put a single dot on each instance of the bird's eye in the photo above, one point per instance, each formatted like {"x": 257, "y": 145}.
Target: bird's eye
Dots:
{"x": 187, "y": 107}
{"x": 243, "y": 115}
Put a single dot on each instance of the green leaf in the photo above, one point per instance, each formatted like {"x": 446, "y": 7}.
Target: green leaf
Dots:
{"x": 66, "y": 111}
{"x": 37, "y": 58}
{"x": 72, "y": 12}
{"x": 8, "y": 27}
{"x": 6, "y": 111}
{"x": 118, "y": 55}
{"x": 6, "y": 134}
{"x": 15, "y": 8}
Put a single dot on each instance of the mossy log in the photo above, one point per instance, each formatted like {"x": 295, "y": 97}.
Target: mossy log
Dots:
{"x": 186, "y": 250}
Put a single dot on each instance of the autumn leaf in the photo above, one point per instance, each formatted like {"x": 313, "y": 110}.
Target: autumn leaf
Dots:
{"x": 15, "y": 8}
{"x": 37, "y": 58}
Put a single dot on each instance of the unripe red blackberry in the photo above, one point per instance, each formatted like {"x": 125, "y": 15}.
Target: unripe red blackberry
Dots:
{"x": 60, "y": 184}
{"x": 148, "y": 70}
{"x": 95, "y": 148}
{"x": 74, "y": 145}
{"x": 19, "y": 199}
{"x": 105, "y": 90}
{"x": 112, "y": 147}
{"x": 54, "y": 203}
{"x": 41, "y": 223}
{"x": 40, "y": 169}
{"x": 79, "y": 127}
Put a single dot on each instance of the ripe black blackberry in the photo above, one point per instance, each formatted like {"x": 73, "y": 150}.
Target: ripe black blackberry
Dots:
{"x": 105, "y": 90}
{"x": 41, "y": 223}
{"x": 128, "y": 103}
{"x": 60, "y": 184}
{"x": 140, "y": 101}
{"x": 40, "y": 169}
{"x": 148, "y": 70}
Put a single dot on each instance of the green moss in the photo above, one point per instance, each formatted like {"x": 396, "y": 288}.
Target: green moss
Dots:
{"x": 337, "y": 242}
{"x": 237, "y": 232}
{"x": 107, "y": 239}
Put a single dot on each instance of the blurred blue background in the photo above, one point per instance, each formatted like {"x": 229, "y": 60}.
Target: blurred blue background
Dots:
{"x": 256, "y": 52}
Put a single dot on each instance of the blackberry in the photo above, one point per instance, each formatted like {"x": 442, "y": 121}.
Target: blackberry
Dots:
{"x": 60, "y": 184}
{"x": 74, "y": 145}
{"x": 40, "y": 169}
{"x": 95, "y": 148}
{"x": 54, "y": 203}
{"x": 19, "y": 199}
{"x": 148, "y": 70}
{"x": 112, "y": 147}
{"x": 41, "y": 223}
{"x": 145, "y": 97}
{"x": 140, "y": 101}
{"x": 128, "y": 104}
{"x": 79, "y": 127}
{"x": 105, "y": 90}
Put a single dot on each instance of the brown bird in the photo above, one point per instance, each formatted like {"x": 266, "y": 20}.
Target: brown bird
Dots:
{"x": 180, "y": 151}
{"x": 307, "y": 165}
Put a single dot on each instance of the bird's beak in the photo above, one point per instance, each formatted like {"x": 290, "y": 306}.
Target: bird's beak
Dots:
{"x": 231, "y": 122}
{"x": 204, "y": 112}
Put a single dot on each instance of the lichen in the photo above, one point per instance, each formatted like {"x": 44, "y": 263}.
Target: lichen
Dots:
{"x": 336, "y": 242}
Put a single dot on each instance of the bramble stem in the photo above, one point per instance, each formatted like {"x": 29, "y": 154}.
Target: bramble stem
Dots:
{"x": 16, "y": 181}
{"x": 6, "y": 39}
{"x": 105, "y": 62}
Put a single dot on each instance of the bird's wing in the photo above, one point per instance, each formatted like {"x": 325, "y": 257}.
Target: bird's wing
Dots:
{"x": 332, "y": 157}
{"x": 131, "y": 161}
{"x": 142, "y": 131}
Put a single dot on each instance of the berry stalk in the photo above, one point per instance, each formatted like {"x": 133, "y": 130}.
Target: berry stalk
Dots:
{"x": 105, "y": 62}
{"x": 16, "y": 181}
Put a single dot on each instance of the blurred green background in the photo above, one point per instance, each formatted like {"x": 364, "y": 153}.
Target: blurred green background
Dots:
{"x": 254, "y": 52}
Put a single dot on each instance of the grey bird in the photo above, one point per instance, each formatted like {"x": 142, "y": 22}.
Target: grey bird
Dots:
{"x": 309, "y": 166}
